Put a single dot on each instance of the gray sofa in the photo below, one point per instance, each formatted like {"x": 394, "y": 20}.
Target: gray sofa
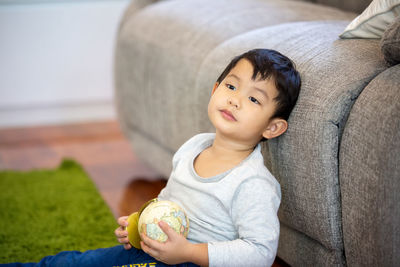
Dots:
{"x": 338, "y": 164}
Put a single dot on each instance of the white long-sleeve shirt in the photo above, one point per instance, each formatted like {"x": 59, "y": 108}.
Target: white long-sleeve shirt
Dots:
{"x": 234, "y": 212}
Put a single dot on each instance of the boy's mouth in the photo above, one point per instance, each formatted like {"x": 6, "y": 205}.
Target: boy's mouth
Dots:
{"x": 227, "y": 115}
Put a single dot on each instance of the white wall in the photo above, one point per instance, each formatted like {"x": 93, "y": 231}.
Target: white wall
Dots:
{"x": 56, "y": 60}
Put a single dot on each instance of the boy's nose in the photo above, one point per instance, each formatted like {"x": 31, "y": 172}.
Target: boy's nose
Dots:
{"x": 233, "y": 102}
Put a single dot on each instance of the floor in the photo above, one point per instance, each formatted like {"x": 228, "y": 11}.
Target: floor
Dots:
{"x": 122, "y": 179}
{"x": 124, "y": 182}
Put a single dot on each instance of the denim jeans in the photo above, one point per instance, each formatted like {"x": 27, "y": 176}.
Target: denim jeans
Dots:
{"x": 104, "y": 257}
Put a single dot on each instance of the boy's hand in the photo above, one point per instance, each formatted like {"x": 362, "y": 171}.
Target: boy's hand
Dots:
{"x": 173, "y": 251}
{"x": 121, "y": 233}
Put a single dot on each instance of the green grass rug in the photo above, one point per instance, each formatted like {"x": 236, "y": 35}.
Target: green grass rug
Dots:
{"x": 43, "y": 212}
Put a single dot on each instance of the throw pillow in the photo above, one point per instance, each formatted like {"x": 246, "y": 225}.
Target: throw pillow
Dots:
{"x": 390, "y": 43}
{"x": 374, "y": 20}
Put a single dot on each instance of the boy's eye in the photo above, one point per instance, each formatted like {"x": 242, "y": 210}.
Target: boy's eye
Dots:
{"x": 252, "y": 99}
{"x": 231, "y": 87}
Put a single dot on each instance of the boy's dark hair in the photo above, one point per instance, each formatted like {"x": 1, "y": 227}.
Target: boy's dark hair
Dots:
{"x": 272, "y": 64}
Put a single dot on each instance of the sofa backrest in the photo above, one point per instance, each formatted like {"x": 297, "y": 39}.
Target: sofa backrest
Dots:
{"x": 356, "y": 6}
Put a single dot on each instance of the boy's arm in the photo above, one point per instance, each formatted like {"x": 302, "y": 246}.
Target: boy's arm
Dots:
{"x": 176, "y": 249}
{"x": 254, "y": 214}
{"x": 199, "y": 254}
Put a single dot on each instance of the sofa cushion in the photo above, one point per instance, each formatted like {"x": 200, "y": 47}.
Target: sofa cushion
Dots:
{"x": 370, "y": 172}
{"x": 305, "y": 158}
{"x": 375, "y": 19}
{"x": 390, "y": 43}
{"x": 160, "y": 50}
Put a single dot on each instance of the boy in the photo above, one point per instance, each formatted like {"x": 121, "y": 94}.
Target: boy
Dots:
{"x": 220, "y": 179}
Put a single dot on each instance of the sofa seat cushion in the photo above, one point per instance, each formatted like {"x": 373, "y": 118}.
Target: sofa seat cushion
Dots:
{"x": 162, "y": 46}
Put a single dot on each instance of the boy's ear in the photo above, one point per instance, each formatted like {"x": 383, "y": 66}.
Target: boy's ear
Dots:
{"x": 214, "y": 88}
{"x": 275, "y": 128}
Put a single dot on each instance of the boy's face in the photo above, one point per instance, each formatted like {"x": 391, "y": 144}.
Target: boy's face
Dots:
{"x": 241, "y": 108}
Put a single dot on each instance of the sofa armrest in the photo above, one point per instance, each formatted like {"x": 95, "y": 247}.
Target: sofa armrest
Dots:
{"x": 133, "y": 7}
{"x": 370, "y": 174}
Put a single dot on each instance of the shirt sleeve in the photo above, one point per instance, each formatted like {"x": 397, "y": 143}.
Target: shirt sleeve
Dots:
{"x": 254, "y": 214}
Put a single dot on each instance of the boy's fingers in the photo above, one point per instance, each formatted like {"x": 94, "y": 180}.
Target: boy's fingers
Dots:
{"x": 145, "y": 239}
{"x": 150, "y": 243}
{"x": 149, "y": 250}
{"x": 123, "y": 240}
{"x": 166, "y": 229}
{"x": 123, "y": 221}
{"x": 121, "y": 233}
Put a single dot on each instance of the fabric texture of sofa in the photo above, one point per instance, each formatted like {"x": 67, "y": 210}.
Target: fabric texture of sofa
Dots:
{"x": 338, "y": 163}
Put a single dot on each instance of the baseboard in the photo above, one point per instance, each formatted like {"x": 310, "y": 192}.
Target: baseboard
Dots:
{"x": 52, "y": 114}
